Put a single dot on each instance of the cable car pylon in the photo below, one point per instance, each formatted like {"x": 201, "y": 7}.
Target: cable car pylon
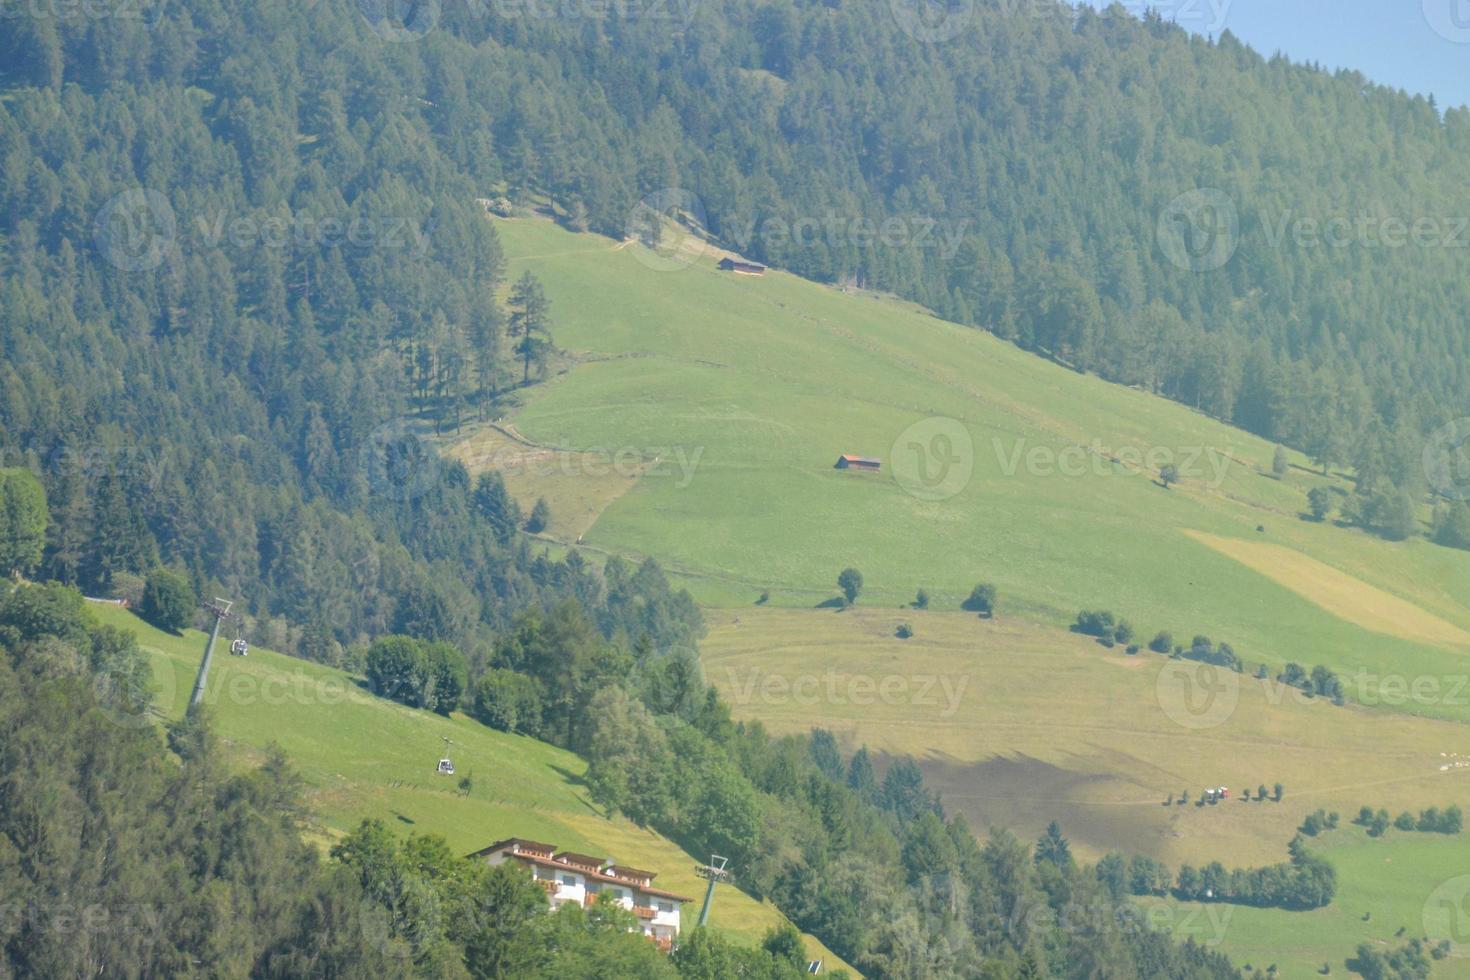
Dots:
{"x": 220, "y": 610}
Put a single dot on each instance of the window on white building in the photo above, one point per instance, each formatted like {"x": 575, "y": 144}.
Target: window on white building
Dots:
{"x": 568, "y": 879}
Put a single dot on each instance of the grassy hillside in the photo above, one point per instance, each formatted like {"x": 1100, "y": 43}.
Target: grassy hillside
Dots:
{"x": 1382, "y": 889}
{"x": 361, "y": 756}
{"x": 1017, "y": 724}
{"x": 711, "y": 409}
{"x": 745, "y": 390}
{"x": 1022, "y": 724}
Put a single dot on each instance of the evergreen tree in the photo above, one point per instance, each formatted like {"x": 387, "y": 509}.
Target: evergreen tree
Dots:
{"x": 1053, "y": 848}
{"x": 530, "y": 319}
{"x": 23, "y": 522}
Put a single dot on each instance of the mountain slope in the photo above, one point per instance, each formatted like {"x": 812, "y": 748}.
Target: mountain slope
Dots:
{"x": 749, "y": 389}
{"x": 727, "y": 400}
{"x": 361, "y": 756}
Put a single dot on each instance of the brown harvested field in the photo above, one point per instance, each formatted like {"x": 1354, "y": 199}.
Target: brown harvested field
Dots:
{"x": 1018, "y": 724}
{"x": 1341, "y": 594}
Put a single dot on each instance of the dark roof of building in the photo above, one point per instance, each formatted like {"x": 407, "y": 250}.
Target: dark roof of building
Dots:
{"x": 541, "y": 855}
{"x": 521, "y": 842}
{"x": 730, "y": 263}
{"x": 627, "y": 872}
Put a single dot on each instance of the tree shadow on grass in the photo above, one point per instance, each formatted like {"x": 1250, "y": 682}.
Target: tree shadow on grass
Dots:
{"x": 571, "y": 777}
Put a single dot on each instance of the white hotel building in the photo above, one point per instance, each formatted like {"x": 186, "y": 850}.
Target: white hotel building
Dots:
{"x": 580, "y": 878}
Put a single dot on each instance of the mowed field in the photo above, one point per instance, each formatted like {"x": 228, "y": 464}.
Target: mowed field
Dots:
{"x": 999, "y": 466}
{"x": 1401, "y": 882}
{"x": 1018, "y": 724}
{"x": 361, "y": 756}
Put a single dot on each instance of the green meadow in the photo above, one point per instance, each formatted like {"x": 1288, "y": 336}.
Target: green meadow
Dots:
{"x": 1384, "y": 887}
{"x": 362, "y": 757}
{"x": 998, "y": 466}
{"x": 736, "y": 396}
{"x": 1024, "y": 723}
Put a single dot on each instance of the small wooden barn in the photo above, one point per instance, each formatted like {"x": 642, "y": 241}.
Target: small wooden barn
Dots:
{"x": 728, "y": 264}
{"x": 868, "y": 463}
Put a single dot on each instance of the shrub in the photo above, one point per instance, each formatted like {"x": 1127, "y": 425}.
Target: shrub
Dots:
{"x": 168, "y": 600}
{"x": 540, "y": 516}
{"x": 1099, "y": 623}
{"x": 982, "y": 599}
{"x": 1162, "y": 642}
{"x": 1314, "y": 824}
{"x": 397, "y": 669}
{"x": 904, "y": 631}
{"x": 508, "y": 702}
{"x": 850, "y": 581}
{"x": 417, "y": 673}
{"x": 1204, "y": 651}
{"x": 448, "y": 677}
{"x": 127, "y": 587}
{"x": 1452, "y": 525}
{"x": 1436, "y": 821}
{"x": 921, "y": 600}
{"x": 1319, "y": 502}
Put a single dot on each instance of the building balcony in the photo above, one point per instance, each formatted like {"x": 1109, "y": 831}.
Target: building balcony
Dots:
{"x": 644, "y": 911}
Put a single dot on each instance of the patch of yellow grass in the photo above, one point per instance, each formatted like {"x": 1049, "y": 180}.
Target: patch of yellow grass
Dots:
{"x": 577, "y": 486}
{"x": 1345, "y": 597}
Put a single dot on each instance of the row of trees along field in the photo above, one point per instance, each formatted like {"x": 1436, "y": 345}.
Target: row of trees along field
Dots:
{"x": 871, "y": 866}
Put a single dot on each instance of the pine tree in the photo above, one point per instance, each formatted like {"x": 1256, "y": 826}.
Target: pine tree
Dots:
{"x": 1053, "y": 848}
{"x": 530, "y": 319}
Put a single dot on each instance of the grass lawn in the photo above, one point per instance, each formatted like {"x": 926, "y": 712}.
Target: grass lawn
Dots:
{"x": 1383, "y": 886}
{"x": 1018, "y": 724}
{"x": 999, "y": 466}
{"x": 361, "y": 756}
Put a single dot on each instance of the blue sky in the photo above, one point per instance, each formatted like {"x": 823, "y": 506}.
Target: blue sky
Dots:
{"x": 1418, "y": 45}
